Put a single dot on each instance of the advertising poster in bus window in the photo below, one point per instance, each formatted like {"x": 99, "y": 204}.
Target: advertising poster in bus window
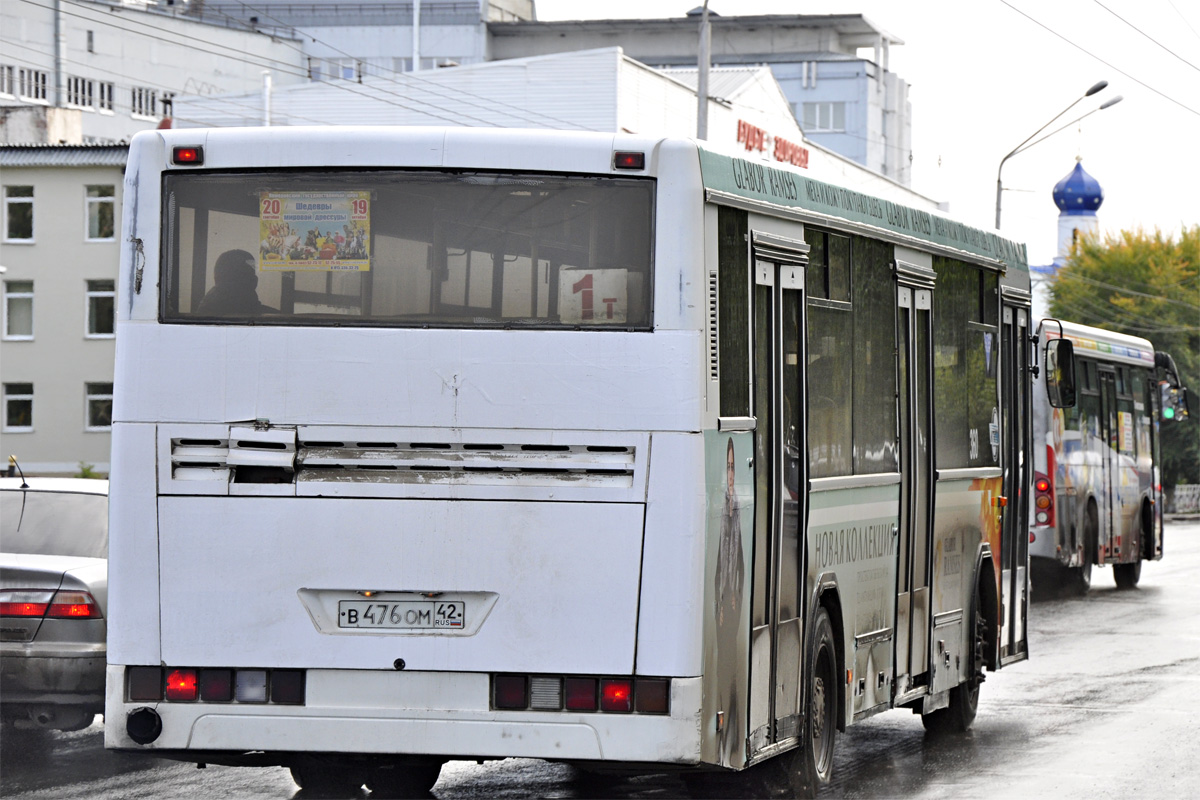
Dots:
{"x": 316, "y": 231}
{"x": 729, "y": 526}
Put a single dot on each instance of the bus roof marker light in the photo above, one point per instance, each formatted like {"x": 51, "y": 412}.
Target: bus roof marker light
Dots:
{"x": 624, "y": 160}
{"x": 192, "y": 155}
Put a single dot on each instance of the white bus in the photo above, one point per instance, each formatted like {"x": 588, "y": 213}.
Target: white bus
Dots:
{"x": 1098, "y": 497}
{"x": 437, "y": 444}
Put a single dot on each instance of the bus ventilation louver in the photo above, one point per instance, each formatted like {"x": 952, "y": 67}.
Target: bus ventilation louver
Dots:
{"x": 402, "y": 462}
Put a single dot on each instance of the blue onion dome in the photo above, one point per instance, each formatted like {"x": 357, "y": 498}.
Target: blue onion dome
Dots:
{"x": 1078, "y": 193}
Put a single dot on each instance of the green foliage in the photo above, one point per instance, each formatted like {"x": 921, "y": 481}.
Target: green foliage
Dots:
{"x": 1144, "y": 285}
{"x": 87, "y": 471}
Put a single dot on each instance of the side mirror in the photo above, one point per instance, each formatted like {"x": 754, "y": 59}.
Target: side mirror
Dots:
{"x": 1177, "y": 403}
{"x": 1060, "y": 373}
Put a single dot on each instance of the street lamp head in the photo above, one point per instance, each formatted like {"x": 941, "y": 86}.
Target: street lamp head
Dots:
{"x": 1111, "y": 103}
{"x": 1095, "y": 88}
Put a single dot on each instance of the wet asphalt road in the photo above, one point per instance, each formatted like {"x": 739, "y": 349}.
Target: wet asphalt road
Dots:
{"x": 1107, "y": 707}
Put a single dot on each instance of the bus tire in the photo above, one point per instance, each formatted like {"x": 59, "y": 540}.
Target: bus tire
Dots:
{"x": 964, "y": 698}
{"x": 403, "y": 778}
{"x": 1091, "y": 538}
{"x": 1128, "y": 575}
{"x": 816, "y": 747}
{"x": 326, "y": 778}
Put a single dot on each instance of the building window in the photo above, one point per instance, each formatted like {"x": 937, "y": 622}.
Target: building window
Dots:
{"x": 104, "y": 97}
{"x": 18, "y": 407}
{"x": 101, "y": 306}
{"x": 7, "y": 84}
{"x": 100, "y": 206}
{"x": 143, "y": 102}
{"x": 99, "y": 406}
{"x": 18, "y": 213}
{"x": 81, "y": 92}
{"x": 32, "y": 84}
{"x": 91, "y": 41}
{"x": 18, "y": 310}
{"x": 824, "y": 117}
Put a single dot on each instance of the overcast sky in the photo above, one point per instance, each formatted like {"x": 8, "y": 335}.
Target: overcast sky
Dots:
{"x": 984, "y": 75}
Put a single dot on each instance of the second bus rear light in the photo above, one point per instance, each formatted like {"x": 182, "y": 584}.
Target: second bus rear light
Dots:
{"x": 615, "y": 695}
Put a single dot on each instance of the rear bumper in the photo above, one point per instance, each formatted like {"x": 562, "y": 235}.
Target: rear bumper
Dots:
{"x": 69, "y": 675}
{"x": 438, "y": 714}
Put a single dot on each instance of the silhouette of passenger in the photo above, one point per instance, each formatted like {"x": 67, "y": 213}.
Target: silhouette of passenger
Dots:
{"x": 234, "y": 293}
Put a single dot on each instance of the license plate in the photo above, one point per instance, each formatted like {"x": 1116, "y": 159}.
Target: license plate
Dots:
{"x": 401, "y": 614}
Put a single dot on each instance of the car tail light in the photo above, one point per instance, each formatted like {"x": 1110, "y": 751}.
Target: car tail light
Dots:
{"x": 145, "y": 684}
{"x": 511, "y": 691}
{"x": 616, "y": 694}
{"x": 25, "y": 602}
{"x": 73, "y": 605}
{"x": 580, "y": 694}
{"x": 181, "y": 685}
{"x": 652, "y": 696}
{"x": 216, "y": 685}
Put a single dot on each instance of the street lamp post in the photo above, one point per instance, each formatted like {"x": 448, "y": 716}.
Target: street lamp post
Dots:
{"x": 1025, "y": 145}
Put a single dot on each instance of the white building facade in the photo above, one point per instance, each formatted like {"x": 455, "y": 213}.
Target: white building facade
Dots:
{"x": 82, "y": 71}
{"x": 60, "y": 251}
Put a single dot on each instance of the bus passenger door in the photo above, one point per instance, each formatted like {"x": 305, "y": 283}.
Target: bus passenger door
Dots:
{"x": 1110, "y": 463}
{"x": 1015, "y": 445}
{"x": 781, "y": 481}
{"x": 914, "y": 356}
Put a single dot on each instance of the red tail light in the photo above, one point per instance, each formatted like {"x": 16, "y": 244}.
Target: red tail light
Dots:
{"x": 216, "y": 685}
{"x": 616, "y": 694}
{"x": 511, "y": 691}
{"x": 580, "y": 694}
{"x": 181, "y": 684}
{"x": 73, "y": 605}
{"x": 25, "y": 602}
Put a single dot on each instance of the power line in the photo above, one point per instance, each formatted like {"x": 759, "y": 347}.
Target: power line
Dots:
{"x": 286, "y": 69}
{"x": 1148, "y": 36}
{"x": 149, "y": 84}
{"x": 1101, "y": 60}
{"x": 1074, "y": 276}
{"x": 414, "y": 77}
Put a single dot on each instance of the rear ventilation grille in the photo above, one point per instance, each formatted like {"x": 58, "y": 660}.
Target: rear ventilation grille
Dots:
{"x": 405, "y": 462}
{"x": 474, "y": 463}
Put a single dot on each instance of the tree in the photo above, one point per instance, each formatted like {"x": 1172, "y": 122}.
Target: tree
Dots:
{"x": 1144, "y": 285}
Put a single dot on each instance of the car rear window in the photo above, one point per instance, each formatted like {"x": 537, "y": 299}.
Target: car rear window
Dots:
{"x": 54, "y": 523}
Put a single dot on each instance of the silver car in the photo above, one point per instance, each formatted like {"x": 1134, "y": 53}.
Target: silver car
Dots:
{"x": 53, "y": 601}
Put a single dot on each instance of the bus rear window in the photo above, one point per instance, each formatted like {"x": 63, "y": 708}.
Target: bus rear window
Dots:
{"x": 406, "y": 248}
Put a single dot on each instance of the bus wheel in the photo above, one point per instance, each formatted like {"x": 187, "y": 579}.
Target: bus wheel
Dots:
{"x": 816, "y": 756}
{"x": 1127, "y": 575}
{"x": 1091, "y": 535}
{"x": 320, "y": 777}
{"x": 964, "y": 698}
{"x": 403, "y": 779}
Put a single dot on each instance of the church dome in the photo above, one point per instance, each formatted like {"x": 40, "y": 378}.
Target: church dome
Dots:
{"x": 1078, "y": 192}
